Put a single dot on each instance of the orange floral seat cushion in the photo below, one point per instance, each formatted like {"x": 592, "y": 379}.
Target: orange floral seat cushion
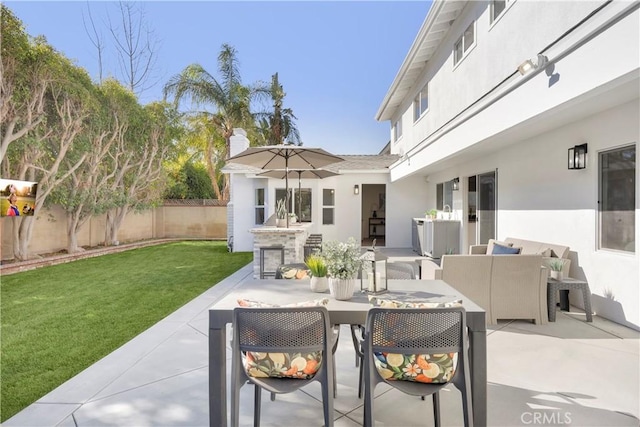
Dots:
{"x": 424, "y": 368}
{"x": 282, "y": 365}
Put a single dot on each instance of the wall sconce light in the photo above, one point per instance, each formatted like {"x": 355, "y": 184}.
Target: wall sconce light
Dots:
{"x": 456, "y": 184}
{"x": 577, "y": 158}
{"x": 529, "y": 65}
{"x": 356, "y": 189}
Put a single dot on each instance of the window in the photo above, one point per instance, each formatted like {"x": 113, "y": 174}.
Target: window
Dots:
{"x": 421, "y": 103}
{"x": 444, "y": 195}
{"x": 328, "y": 203}
{"x": 464, "y": 43}
{"x": 497, "y": 9}
{"x": 259, "y": 206}
{"x": 397, "y": 129}
{"x": 617, "y": 193}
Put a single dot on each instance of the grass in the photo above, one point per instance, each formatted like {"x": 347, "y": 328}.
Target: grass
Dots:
{"x": 58, "y": 320}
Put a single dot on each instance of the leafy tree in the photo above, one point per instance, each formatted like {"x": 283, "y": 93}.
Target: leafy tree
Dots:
{"x": 24, "y": 77}
{"x": 190, "y": 181}
{"x": 228, "y": 97}
{"x": 278, "y": 126}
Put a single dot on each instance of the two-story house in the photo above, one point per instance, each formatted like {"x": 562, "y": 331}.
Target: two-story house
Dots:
{"x": 524, "y": 117}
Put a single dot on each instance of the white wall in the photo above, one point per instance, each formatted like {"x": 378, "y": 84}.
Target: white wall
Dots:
{"x": 540, "y": 199}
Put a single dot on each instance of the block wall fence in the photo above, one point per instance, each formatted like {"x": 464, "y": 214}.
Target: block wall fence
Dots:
{"x": 168, "y": 221}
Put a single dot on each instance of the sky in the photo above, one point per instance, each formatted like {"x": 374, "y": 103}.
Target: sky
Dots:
{"x": 335, "y": 59}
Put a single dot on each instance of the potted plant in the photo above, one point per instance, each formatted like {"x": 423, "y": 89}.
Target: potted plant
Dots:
{"x": 281, "y": 213}
{"x": 343, "y": 263}
{"x": 293, "y": 218}
{"x": 433, "y": 213}
{"x": 556, "y": 266}
{"x": 318, "y": 268}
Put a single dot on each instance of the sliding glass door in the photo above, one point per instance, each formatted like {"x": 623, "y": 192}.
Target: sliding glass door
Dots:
{"x": 487, "y": 196}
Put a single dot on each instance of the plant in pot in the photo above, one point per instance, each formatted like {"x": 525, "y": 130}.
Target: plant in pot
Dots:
{"x": 293, "y": 218}
{"x": 433, "y": 213}
{"x": 281, "y": 213}
{"x": 556, "y": 266}
{"x": 318, "y": 268}
{"x": 343, "y": 263}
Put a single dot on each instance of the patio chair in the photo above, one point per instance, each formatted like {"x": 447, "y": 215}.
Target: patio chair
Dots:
{"x": 395, "y": 270}
{"x": 399, "y": 337}
{"x": 281, "y": 332}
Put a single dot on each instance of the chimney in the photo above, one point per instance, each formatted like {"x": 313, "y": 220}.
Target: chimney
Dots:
{"x": 238, "y": 141}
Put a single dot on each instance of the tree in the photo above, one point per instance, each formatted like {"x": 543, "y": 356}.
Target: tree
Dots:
{"x": 230, "y": 99}
{"x": 136, "y": 47}
{"x": 280, "y": 121}
{"x": 41, "y": 155}
{"x": 139, "y": 182}
{"x": 24, "y": 78}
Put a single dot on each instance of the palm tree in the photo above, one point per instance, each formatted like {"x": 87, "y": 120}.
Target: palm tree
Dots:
{"x": 280, "y": 121}
{"x": 227, "y": 95}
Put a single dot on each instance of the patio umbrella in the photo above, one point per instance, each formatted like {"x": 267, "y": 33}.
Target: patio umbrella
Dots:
{"x": 285, "y": 157}
{"x": 299, "y": 173}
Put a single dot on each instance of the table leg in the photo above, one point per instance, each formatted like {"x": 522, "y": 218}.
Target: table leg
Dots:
{"x": 564, "y": 299}
{"x": 552, "y": 293}
{"x": 478, "y": 361}
{"x": 217, "y": 377}
{"x": 586, "y": 295}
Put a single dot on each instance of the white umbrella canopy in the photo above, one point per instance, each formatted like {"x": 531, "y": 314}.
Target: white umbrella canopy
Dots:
{"x": 285, "y": 157}
{"x": 300, "y": 174}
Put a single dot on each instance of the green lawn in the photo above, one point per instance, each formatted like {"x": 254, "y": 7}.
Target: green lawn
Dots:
{"x": 58, "y": 320}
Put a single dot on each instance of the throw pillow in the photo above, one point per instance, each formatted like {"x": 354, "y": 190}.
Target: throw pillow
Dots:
{"x": 388, "y": 303}
{"x": 424, "y": 368}
{"x": 504, "y": 250}
{"x": 494, "y": 242}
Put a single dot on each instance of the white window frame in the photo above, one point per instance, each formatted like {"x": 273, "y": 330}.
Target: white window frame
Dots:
{"x": 258, "y": 206}
{"x": 495, "y": 18}
{"x": 329, "y": 205}
{"x": 418, "y": 110}
{"x": 397, "y": 129}
{"x": 462, "y": 41}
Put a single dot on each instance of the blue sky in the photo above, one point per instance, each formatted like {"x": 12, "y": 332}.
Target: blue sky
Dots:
{"x": 335, "y": 60}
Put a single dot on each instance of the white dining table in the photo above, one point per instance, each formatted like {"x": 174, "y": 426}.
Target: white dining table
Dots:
{"x": 353, "y": 311}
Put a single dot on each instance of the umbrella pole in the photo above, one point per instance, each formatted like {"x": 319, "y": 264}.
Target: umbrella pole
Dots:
{"x": 286, "y": 186}
{"x": 299, "y": 196}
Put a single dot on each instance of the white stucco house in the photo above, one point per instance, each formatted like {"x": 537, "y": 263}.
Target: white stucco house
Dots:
{"x": 466, "y": 106}
{"x": 490, "y": 101}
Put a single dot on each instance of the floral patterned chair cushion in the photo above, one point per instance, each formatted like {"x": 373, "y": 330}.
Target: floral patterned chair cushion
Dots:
{"x": 425, "y": 368}
{"x": 292, "y": 271}
{"x": 389, "y": 303}
{"x": 282, "y": 365}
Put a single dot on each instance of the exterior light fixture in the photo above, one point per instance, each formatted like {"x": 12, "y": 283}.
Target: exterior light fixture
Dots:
{"x": 529, "y": 65}
{"x": 456, "y": 184}
{"x": 356, "y": 189}
{"x": 577, "y": 158}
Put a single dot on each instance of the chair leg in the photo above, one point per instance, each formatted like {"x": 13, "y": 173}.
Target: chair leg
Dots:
{"x": 361, "y": 379}
{"x": 256, "y": 406}
{"x": 436, "y": 409}
{"x": 273, "y": 397}
{"x": 335, "y": 379}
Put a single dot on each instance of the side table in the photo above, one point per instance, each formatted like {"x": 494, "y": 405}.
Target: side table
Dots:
{"x": 567, "y": 283}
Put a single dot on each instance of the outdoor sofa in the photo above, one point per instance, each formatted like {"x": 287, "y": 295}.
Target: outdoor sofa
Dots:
{"x": 505, "y": 286}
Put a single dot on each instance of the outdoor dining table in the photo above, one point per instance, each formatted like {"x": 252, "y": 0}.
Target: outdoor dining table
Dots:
{"x": 353, "y": 311}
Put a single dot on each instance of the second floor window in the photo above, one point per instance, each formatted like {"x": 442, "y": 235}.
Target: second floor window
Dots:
{"x": 397, "y": 129}
{"x": 421, "y": 103}
{"x": 464, "y": 43}
{"x": 497, "y": 8}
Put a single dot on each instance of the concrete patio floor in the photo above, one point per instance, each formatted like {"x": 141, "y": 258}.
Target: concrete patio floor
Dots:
{"x": 565, "y": 373}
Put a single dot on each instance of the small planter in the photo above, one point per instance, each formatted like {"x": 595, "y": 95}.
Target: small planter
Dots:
{"x": 556, "y": 275}
{"x": 281, "y": 222}
{"x": 319, "y": 284}
{"x": 342, "y": 289}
